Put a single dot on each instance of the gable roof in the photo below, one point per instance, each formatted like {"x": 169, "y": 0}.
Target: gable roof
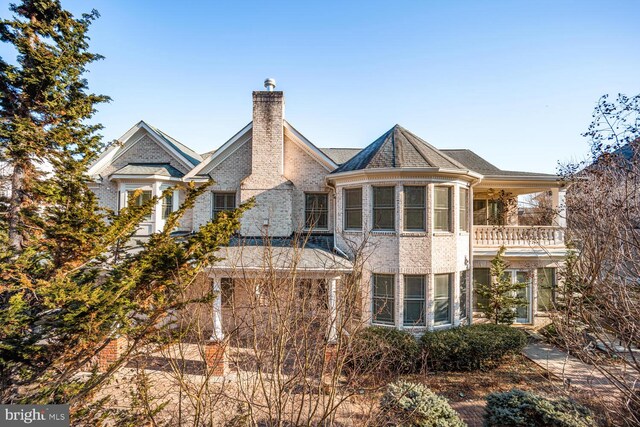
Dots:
{"x": 118, "y": 147}
{"x": 476, "y": 163}
{"x": 399, "y": 148}
{"x": 187, "y": 152}
{"x": 216, "y": 156}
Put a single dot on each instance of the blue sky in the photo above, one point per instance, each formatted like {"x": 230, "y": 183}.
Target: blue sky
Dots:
{"x": 515, "y": 81}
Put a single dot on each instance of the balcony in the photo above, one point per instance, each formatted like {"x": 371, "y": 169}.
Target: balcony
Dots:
{"x": 518, "y": 236}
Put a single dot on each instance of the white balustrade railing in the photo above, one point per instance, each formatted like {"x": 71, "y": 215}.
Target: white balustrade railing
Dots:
{"x": 509, "y": 235}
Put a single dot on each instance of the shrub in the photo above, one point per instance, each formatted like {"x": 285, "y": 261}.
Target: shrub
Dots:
{"x": 410, "y": 404}
{"x": 383, "y": 351}
{"x": 471, "y": 347}
{"x": 521, "y": 408}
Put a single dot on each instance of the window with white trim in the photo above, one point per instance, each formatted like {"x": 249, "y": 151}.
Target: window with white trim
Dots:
{"x": 442, "y": 208}
{"x": 223, "y": 202}
{"x": 414, "y": 300}
{"x": 353, "y": 208}
{"x": 415, "y": 205}
{"x": 383, "y": 298}
{"x": 316, "y": 211}
{"x": 442, "y": 293}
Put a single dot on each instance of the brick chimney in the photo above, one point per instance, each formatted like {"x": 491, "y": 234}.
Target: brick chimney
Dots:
{"x": 267, "y": 147}
{"x": 272, "y": 191}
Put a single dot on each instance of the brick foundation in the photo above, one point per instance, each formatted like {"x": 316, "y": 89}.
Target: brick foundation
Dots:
{"x": 214, "y": 353}
{"x": 111, "y": 353}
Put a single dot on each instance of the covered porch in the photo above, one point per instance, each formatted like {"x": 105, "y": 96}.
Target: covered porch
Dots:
{"x": 519, "y": 212}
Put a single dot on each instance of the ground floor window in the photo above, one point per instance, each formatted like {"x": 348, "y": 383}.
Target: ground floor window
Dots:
{"x": 139, "y": 198}
{"x": 414, "y": 300}
{"x": 226, "y": 291}
{"x": 546, "y": 289}
{"x": 442, "y": 292}
{"x": 481, "y": 276}
{"x": 383, "y": 298}
{"x": 463, "y": 293}
{"x": 523, "y": 312}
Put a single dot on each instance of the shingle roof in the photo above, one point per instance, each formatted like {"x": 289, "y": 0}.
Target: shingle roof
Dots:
{"x": 187, "y": 152}
{"x": 161, "y": 169}
{"x": 282, "y": 253}
{"x": 340, "y": 155}
{"x": 476, "y": 163}
{"x": 399, "y": 148}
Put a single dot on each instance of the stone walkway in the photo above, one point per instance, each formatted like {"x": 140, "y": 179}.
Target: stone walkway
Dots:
{"x": 471, "y": 411}
{"x": 574, "y": 373}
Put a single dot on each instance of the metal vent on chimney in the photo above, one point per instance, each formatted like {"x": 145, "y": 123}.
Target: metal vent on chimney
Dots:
{"x": 270, "y": 84}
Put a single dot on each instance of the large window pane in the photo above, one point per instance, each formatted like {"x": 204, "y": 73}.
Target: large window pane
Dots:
{"x": 226, "y": 291}
{"x": 223, "y": 202}
{"x": 479, "y": 212}
{"x": 522, "y": 311}
{"x": 414, "y": 301}
{"x": 167, "y": 205}
{"x": 463, "y": 293}
{"x": 353, "y": 209}
{"x": 139, "y": 199}
{"x": 481, "y": 276}
{"x": 546, "y": 288}
{"x": 464, "y": 209}
{"x": 414, "y": 208}
{"x": 442, "y": 299}
{"x": 442, "y": 209}
{"x": 384, "y": 208}
{"x": 316, "y": 211}
{"x": 383, "y": 298}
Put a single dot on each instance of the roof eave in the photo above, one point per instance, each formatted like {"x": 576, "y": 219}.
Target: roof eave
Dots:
{"x": 378, "y": 171}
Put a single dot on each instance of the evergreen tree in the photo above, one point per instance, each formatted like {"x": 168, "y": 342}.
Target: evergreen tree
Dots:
{"x": 501, "y": 293}
{"x": 65, "y": 290}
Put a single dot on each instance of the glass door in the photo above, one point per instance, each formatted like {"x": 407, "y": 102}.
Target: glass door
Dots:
{"x": 523, "y": 312}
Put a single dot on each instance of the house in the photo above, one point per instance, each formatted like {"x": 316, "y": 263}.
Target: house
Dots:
{"x": 431, "y": 219}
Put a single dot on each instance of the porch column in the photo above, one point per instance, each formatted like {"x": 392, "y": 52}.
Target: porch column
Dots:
{"x": 158, "y": 222}
{"x": 332, "y": 336}
{"x": 217, "y": 334}
{"x": 559, "y": 206}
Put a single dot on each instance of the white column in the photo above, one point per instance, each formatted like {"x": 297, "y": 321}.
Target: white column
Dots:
{"x": 333, "y": 312}
{"x": 559, "y": 206}
{"x": 158, "y": 222}
{"x": 217, "y": 333}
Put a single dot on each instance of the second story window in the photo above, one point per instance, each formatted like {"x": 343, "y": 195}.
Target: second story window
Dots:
{"x": 223, "y": 202}
{"x": 353, "y": 209}
{"x": 316, "y": 211}
{"x": 442, "y": 209}
{"x": 464, "y": 209}
{"x": 384, "y": 208}
{"x": 414, "y": 208}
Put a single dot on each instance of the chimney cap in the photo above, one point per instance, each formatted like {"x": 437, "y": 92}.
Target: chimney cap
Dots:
{"x": 270, "y": 84}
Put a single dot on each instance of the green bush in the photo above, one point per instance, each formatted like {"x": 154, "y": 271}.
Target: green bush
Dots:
{"x": 414, "y": 405}
{"x": 382, "y": 350}
{"x": 517, "y": 408}
{"x": 471, "y": 347}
